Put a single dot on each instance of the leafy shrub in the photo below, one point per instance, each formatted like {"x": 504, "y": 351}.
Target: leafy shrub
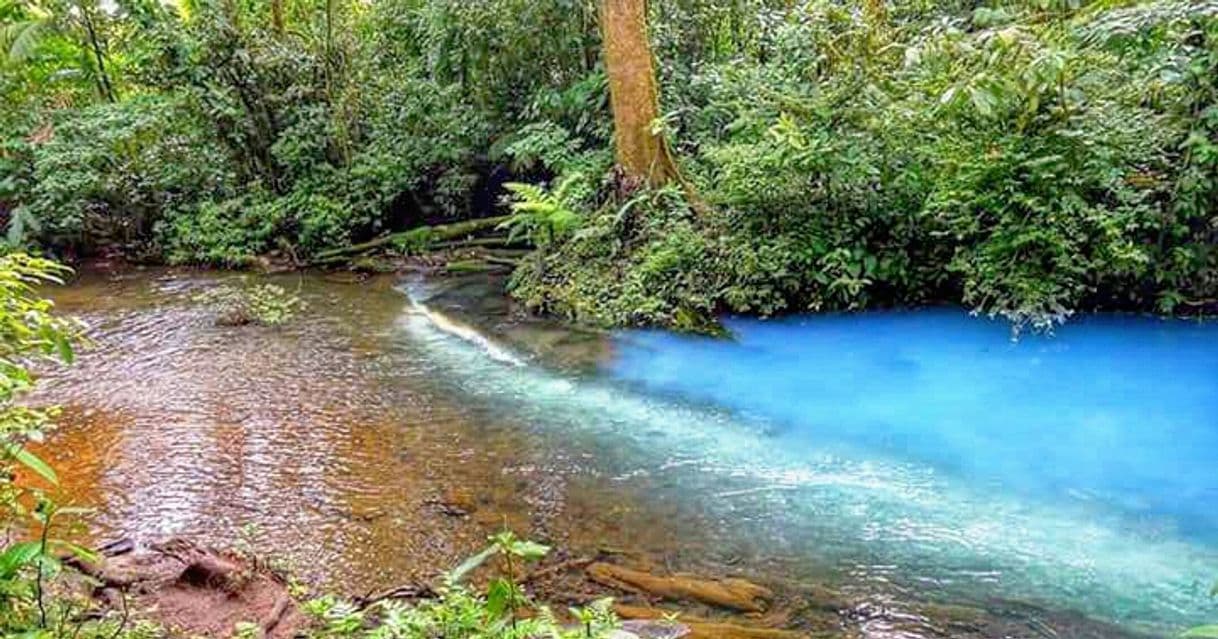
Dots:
{"x": 110, "y": 171}
{"x": 229, "y": 232}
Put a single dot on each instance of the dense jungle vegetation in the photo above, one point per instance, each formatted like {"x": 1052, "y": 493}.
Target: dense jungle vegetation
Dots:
{"x": 1022, "y": 157}
{"x": 664, "y": 161}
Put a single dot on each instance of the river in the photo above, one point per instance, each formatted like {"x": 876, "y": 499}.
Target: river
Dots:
{"x": 914, "y": 462}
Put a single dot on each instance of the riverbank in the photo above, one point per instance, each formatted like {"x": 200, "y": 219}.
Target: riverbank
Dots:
{"x": 189, "y": 590}
{"x": 183, "y": 589}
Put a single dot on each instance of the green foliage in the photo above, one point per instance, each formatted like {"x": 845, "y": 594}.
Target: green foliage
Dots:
{"x": 28, "y": 332}
{"x": 546, "y": 216}
{"x": 249, "y": 303}
{"x": 1023, "y": 162}
{"x": 1022, "y": 159}
{"x": 107, "y": 172}
{"x": 230, "y": 232}
{"x": 30, "y": 558}
{"x": 459, "y": 612}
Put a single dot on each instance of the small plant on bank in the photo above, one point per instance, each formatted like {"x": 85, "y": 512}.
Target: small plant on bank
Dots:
{"x": 545, "y": 215}
{"x": 244, "y": 303}
{"x": 460, "y": 612}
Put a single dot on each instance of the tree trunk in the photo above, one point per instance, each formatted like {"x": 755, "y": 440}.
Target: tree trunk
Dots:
{"x": 633, "y": 93}
{"x": 99, "y": 56}
{"x": 277, "y": 17}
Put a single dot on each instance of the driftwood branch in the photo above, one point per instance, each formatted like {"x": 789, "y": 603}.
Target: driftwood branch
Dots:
{"x": 500, "y": 261}
{"x": 471, "y": 266}
{"x": 407, "y": 591}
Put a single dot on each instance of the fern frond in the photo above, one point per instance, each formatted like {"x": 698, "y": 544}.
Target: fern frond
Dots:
{"x": 20, "y": 40}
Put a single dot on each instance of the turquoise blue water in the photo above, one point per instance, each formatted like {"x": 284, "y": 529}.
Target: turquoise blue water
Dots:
{"x": 1114, "y": 413}
{"x": 922, "y": 450}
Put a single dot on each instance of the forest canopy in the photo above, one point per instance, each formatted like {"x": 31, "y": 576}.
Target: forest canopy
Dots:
{"x": 1026, "y": 158}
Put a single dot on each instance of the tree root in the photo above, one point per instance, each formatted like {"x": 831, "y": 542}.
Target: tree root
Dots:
{"x": 735, "y": 594}
{"x": 282, "y": 605}
{"x": 557, "y": 569}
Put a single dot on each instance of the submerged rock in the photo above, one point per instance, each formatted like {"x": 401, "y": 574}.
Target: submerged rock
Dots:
{"x": 699, "y": 628}
{"x": 651, "y": 629}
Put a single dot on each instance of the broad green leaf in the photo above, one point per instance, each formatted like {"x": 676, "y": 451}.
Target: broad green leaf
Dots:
{"x": 529, "y": 550}
{"x": 16, "y": 556}
{"x": 78, "y": 551}
{"x": 499, "y": 596}
{"x": 470, "y": 564}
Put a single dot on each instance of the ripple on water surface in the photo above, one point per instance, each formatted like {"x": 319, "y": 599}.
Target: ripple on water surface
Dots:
{"x": 328, "y": 434}
{"x": 900, "y": 455}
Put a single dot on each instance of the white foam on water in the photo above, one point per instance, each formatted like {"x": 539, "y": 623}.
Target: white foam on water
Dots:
{"x": 465, "y": 332}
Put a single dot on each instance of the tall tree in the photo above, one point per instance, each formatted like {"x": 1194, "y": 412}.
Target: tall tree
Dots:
{"x": 642, "y": 153}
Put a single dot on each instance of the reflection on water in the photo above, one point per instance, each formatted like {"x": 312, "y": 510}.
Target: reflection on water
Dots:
{"x": 329, "y": 434}
{"x": 373, "y": 441}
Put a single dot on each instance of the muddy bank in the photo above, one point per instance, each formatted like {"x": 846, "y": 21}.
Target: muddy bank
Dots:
{"x": 190, "y": 591}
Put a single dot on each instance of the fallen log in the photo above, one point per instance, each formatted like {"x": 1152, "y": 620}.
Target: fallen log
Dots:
{"x": 500, "y": 261}
{"x": 510, "y": 253}
{"x": 479, "y": 242}
{"x": 471, "y": 266}
{"x": 420, "y": 237}
{"x": 735, "y": 594}
{"x": 701, "y": 628}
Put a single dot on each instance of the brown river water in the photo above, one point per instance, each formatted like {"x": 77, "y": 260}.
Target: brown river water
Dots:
{"x": 316, "y": 440}
{"x": 332, "y": 444}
